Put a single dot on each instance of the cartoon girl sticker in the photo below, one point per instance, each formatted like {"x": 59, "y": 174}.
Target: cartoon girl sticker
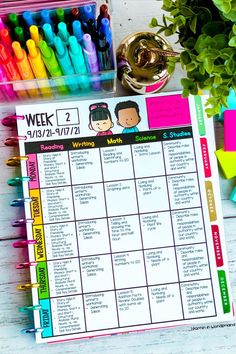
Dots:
{"x": 100, "y": 119}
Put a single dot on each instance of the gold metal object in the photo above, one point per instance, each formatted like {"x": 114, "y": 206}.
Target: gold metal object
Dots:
{"x": 142, "y": 62}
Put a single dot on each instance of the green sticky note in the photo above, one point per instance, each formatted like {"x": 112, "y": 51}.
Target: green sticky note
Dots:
{"x": 227, "y": 161}
{"x": 224, "y": 291}
{"x": 42, "y": 278}
{"x": 200, "y": 115}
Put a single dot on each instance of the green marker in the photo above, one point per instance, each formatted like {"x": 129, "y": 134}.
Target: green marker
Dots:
{"x": 52, "y": 65}
{"x": 19, "y": 32}
{"x": 13, "y": 19}
{"x": 60, "y": 14}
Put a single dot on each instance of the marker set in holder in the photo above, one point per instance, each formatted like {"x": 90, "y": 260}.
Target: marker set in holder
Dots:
{"x": 55, "y": 49}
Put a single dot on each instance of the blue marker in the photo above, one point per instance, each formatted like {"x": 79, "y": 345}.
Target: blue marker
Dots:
{"x": 106, "y": 29}
{"x": 77, "y": 31}
{"x": 49, "y": 35}
{"x": 78, "y": 61}
{"x": 63, "y": 33}
{"x": 28, "y": 18}
{"x": 46, "y": 18}
{"x": 88, "y": 12}
{"x": 65, "y": 62}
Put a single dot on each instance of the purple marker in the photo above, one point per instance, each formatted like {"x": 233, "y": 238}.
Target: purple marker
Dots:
{"x": 6, "y": 88}
{"x": 91, "y": 59}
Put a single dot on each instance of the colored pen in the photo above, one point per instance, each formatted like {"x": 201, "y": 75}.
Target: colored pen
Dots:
{"x": 11, "y": 70}
{"x": 49, "y": 35}
{"x": 60, "y": 14}
{"x": 38, "y": 68}
{"x": 76, "y": 15}
{"x": 77, "y": 31}
{"x": 63, "y": 33}
{"x": 106, "y": 29}
{"x": 92, "y": 61}
{"x": 103, "y": 14}
{"x": 28, "y": 18}
{"x": 104, "y": 55}
{"x": 5, "y": 38}
{"x": 2, "y": 24}
{"x": 24, "y": 68}
{"x": 52, "y": 65}
{"x": 65, "y": 62}
{"x": 46, "y": 17}
{"x": 34, "y": 34}
{"x": 13, "y": 19}
{"x": 6, "y": 88}
{"x": 88, "y": 12}
{"x": 78, "y": 61}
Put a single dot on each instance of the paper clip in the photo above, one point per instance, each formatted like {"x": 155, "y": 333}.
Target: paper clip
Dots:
{"x": 17, "y": 181}
{"x": 14, "y": 140}
{"x": 24, "y": 243}
{"x": 27, "y": 286}
{"x": 21, "y": 222}
{"x": 10, "y": 121}
{"x": 20, "y": 202}
{"x": 32, "y": 330}
{"x": 15, "y": 160}
{"x": 26, "y": 265}
{"x": 30, "y": 308}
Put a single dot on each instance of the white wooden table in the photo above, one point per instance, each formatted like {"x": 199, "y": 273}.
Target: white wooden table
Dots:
{"x": 128, "y": 16}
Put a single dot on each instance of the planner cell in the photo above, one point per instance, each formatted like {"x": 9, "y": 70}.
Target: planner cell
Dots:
{"x": 193, "y": 262}
{"x": 165, "y": 303}
{"x": 179, "y": 156}
{"x": 152, "y": 194}
{"x": 148, "y": 160}
{"x": 93, "y": 237}
{"x": 67, "y": 315}
{"x": 125, "y": 233}
{"x": 117, "y": 163}
{"x": 158, "y": 263}
{"x": 53, "y": 169}
{"x": 198, "y": 299}
{"x": 96, "y": 273}
{"x": 133, "y": 307}
{"x": 61, "y": 240}
{"x": 120, "y": 198}
{"x": 100, "y": 310}
{"x": 85, "y": 166}
{"x": 57, "y": 204}
{"x": 64, "y": 277}
{"x": 156, "y": 230}
{"x": 188, "y": 226}
{"x": 129, "y": 269}
{"x": 89, "y": 201}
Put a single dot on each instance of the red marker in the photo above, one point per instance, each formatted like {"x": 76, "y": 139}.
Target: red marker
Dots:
{"x": 103, "y": 14}
{"x": 5, "y": 37}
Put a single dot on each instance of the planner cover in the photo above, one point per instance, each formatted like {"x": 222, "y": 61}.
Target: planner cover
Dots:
{"x": 123, "y": 205}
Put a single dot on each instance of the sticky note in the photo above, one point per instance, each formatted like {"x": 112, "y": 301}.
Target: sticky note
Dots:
{"x": 230, "y": 130}
{"x": 227, "y": 161}
{"x": 233, "y": 195}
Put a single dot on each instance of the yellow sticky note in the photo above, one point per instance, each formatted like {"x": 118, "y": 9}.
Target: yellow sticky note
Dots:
{"x": 227, "y": 161}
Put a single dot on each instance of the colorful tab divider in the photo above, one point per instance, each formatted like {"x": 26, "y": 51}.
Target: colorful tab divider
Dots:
{"x": 210, "y": 201}
{"x": 32, "y": 171}
{"x": 42, "y": 279}
{"x": 217, "y": 245}
{"x": 39, "y": 248}
{"x": 205, "y": 157}
{"x": 224, "y": 291}
{"x": 35, "y": 206}
{"x": 46, "y": 318}
{"x": 200, "y": 115}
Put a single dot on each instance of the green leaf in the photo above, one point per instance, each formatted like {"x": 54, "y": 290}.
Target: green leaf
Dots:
{"x": 191, "y": 66}
{"x": 221, "y": 41}
{"x": 234, "y": 28}
{"x": 193, "y": 24}
{"x": 217, "y": 80}
{"x": 185, "y": 57}
{"x": 214, "y": 27}
{"x": 153, "y": 23}
{"x": 186, "y": 11}
{"x": 232, "y": 42}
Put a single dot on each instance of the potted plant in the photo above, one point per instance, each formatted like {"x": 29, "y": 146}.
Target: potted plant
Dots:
{"x": 207, "y": 34}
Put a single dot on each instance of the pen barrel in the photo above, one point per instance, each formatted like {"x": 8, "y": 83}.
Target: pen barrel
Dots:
{"x": 67, "y": 70}
{"x": 92, "y": 61}
{"x": 80, "y": 68}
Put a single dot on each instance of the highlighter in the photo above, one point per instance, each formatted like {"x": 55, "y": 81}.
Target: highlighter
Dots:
{"x": 46, "y": 17}
{"x": 52, "y": 65}
{"x": 78, "y": 61}
{"x": 38, "y": 68}
{"x": 91, "y": 59}
{"x": 28, "y": 18}
{"x": 6, "y": 88}
{"x": 63, "y": 33}
{"x": 65, "y": 62}
{"x": 34, "y": 34}
{"x": 24, "y": 68}
{"x": 77, "y": 31}
{"x": 48, "y": 34}
{"x": 11, "y": 70}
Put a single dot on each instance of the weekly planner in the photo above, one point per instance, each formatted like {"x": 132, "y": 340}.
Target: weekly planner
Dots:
{"x": 123, "y": 202}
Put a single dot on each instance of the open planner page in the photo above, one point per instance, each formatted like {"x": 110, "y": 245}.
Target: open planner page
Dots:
{"x": 125, "y": 209}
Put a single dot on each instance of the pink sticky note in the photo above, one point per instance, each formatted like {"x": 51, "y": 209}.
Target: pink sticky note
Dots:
{"x": 230, "y": 130}
{"x": 168, "y": 111}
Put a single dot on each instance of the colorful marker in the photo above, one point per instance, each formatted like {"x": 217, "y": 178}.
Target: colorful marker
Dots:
{"x": 11, "y": 70}
{"x": 19, "y": 34}
{"x": 78, "y": 61}
{"x": 76, "y": 15}
{"x": 49, "y": 34}
{"x": 60, "y": 14}
{"x": 24, "y": 68}
{"x": 91, "y": 59}
{"x": 5, "y": 38}
{"x": 13, "y": 19}
{"x": 77, "y": 31}
{"x": 103, "y": 14}
{"x": 7, "y": 88}
{"x": 65, "y": 62}
{"x": 52, "y": 65}
{"x": 28, "y": 18}
{"x": 63, "y": 33}
{"x": 46, "y": 17}
{"x": 88, "y": 12}
{"x": 106, "y": 29}
{"x": 2, "y": 24}
{"x": 34, "y": 34}
{"x": 38, "y": 68}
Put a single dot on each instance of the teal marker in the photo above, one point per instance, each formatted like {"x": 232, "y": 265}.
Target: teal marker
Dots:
{"x": 49, "y": 35}
{"x": 78, "y": 61}
{"x": 65, "y": 62}
{"x": 63, "y": 33}
{"x": 52, "y": 65}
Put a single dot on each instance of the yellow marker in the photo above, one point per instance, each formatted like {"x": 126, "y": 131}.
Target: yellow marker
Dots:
{"x": 34, "y": 34}
{"x": 38, "y": 68}
{"x": 24, "y": 69}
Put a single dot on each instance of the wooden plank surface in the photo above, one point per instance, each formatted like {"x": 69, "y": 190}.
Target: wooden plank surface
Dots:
{"x": 128, "y": 16}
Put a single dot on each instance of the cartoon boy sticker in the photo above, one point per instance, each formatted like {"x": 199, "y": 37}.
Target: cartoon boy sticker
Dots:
{"x": 100, "y": 119}
{"x": 128, "y": 117}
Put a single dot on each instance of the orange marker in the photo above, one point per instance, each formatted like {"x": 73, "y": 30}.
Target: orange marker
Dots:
{"x": 24, "y": 68}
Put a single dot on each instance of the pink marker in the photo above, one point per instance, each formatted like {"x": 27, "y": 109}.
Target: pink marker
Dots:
{"x": 230, "y": 130}
{"x": 6, "y": 88}
{"x": 2, "y": 24}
